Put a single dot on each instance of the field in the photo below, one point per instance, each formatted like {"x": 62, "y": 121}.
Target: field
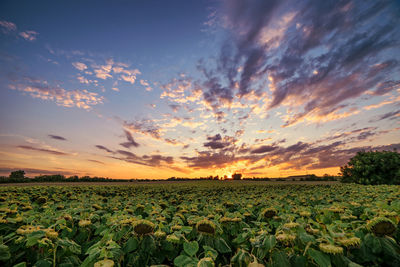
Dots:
{"x": 200, "y": 224}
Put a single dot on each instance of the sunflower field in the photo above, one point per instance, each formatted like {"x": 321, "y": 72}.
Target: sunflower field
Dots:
{"x": 202, "y": 223}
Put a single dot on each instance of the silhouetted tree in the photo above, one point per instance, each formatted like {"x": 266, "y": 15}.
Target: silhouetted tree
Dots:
{"x": 237, "y": 176}
{"x": 17, "y": 174}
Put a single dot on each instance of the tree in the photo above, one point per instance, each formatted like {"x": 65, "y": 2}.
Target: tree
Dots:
{"x": 17, "y": 174}
{"x": 237, "y": 176}
{"x": 372, "y": 167}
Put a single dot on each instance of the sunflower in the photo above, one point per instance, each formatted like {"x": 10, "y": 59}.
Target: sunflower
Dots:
{"x": 206, "y": 227}
{"x": 381, "y": 226}
{"x": 143, "y": 227}
{"x": 330, "y": 249}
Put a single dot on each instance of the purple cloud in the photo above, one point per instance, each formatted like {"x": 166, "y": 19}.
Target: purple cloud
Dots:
{"x": 130, "y": 142}
{"x": 57, "y": 137}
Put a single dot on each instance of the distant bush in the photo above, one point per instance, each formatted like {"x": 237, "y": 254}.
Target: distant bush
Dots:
{"x": 237, "y": 176}
{"x": 17, "y": 174}
{"x": 372, "y": 168}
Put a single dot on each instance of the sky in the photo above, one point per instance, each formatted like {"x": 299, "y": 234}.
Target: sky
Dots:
{"x": 158, "y": 89}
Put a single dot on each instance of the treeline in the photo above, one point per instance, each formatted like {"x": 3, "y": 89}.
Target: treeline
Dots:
{"x": 19, "y": 177}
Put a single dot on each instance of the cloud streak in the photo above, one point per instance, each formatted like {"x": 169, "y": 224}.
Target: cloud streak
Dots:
{"x": 73, "y": 98}
{"x": 130, "y": 141}
{"x": 57, "y": 137}
{"x": 44, "y": 150}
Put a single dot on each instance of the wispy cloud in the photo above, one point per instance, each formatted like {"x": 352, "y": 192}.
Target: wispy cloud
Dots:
{"x": 7, "y": 26}
{"x": 146, "y": 85}
{"x": 44, "y": 150}
{"x": 29, "y": 35}
{"x": 74, "y": 98}
{"x": 96, "y": 161}
{"x": 57, "y": 137}
{"x": 79, "y": 66}
{"x": 130, "y": 141}
{"x": 104, "y": 148}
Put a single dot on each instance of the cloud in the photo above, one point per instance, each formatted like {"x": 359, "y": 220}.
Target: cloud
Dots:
{"x": 44, "y": 150}
{"x": 79, "y": 66}
{"x": 145, "y": 127}
{"x": 217, "y": 142}
{"x": 311, "y": 57}
{"x": 29, "y": 35}
{"x": 130, "y": 142}
{"x": 111, "y": 68}
{"x": 57, "y": 137}
{"x": 102, "y": 73}
{"x": 174, "y": 107}
{"x": 96, "y": 161}
{"x": 7, "y": 26}
{"x": 392, "y": 115}
{"x": 264, "y": 149}
{"x": 130, "y": 79}
{"x": 205, "y": 160}
{"x": 146, "y": 84}
{"x": 74, "y": 98}
{"x": 83, "y": 80}
{"x": 147, "y": 160}
{"x": 104, "y": 148}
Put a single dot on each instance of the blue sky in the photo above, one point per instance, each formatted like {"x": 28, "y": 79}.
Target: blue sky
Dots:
{"x": 154, "y": 89}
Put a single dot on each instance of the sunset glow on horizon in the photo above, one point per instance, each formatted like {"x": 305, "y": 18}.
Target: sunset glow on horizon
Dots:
{"x": 159, "y": 89}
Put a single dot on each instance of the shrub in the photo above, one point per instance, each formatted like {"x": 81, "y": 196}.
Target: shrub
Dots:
{"x": 17, "y": 174}
{"x": 372, "y": 168}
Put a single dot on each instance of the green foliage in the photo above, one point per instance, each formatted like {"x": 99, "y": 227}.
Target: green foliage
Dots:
{"x": 373, "y": 168}
{"x": 170, "y": 225}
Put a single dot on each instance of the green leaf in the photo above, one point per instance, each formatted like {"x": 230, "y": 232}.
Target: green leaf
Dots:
{"x": 33, "y": 238}
{"x": 269, "y": 242}
{"x": 240, "y": 238}
{"x": 206, "y": 262}
{"x": 148, "y": 244}
{"x": 261, "y": 253}
{"x": 21, "y": 264}
{"x": 4, "y": 253}
{"x": 222, "y": 246}
{"x": 191, "y": 248}
{"x": 43, "y": 263}
{"x": 372, "y": 242}
{"x": 183, "y": 260}
{"x": 304, "y": 237}
{"x": 69, "y": 245}
{"x": 167, "y": 246}
{"x": 353, "y": 264}
{"x": 389, "y": 248}
{"x": 320, "y": 258}
{"x": 280, "y": 259}
{"x": 131, "y": 245}
{"x": 187, "y": 229}
{"x": 298, "y": 261}
{"x": 241, "y": 259}
{"x": 210, "y": 252}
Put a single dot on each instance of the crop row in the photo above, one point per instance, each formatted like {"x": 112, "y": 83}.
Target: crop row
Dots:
{"x": 200, "y": 224}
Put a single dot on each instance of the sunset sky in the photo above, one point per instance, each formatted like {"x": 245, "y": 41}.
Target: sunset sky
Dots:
{"x": 154, "y": 89}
